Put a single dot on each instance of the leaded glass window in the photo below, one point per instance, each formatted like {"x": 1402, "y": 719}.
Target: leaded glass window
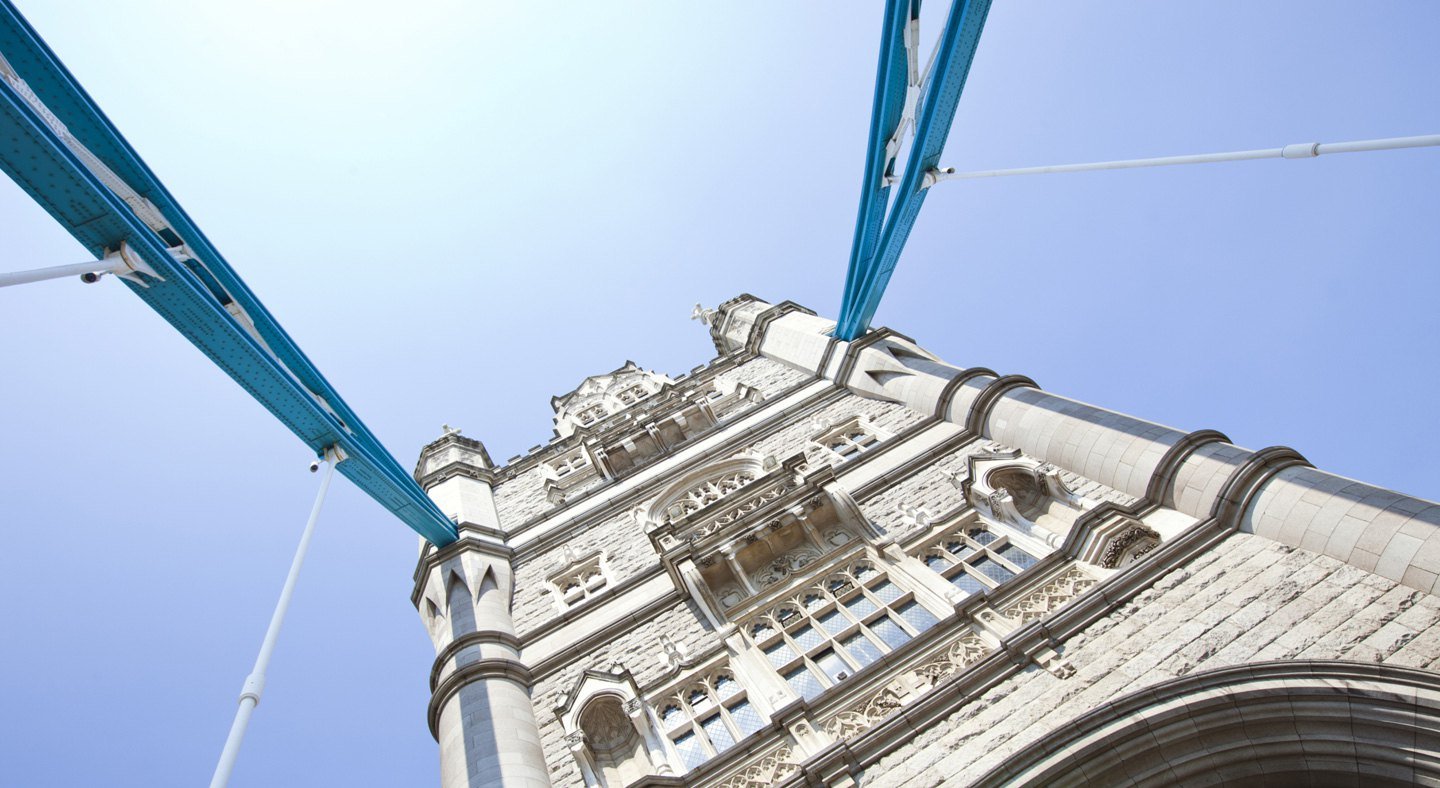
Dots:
{"x": 837, "y": 626}
{"x": 707, "y": 717}
{"x": 974, "y": 560}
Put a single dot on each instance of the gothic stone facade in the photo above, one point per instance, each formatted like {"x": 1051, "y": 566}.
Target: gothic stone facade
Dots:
{"x": 818, "y": 562}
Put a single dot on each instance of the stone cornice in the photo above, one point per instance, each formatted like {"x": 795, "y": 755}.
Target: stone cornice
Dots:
{"x": 545, "y": 667}
{"x": 589, "y": 605}
{"x": 451, "y": 470}
{"x": 913, "y": 465}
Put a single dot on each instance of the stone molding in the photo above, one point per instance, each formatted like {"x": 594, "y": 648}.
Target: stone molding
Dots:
{"x": 1178, "y": 730}
{"x": 1245, "y": 483}
{"x": 433, "y": 557}
{"x": 947, "y": 394}
{"x": 611, "y": 631}
{"x": 853, "y": 350}
{"x": 763, "y": 321}
{"x": 1163, "y": 479}
{"x": 985, "y": 402}
{"x": 490, "y": 668}
{"x": 459, "y": 468}
{"x": 464, "y": 641}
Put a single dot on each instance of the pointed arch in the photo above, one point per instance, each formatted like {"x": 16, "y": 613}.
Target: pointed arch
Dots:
{"x": 701, "y": 487}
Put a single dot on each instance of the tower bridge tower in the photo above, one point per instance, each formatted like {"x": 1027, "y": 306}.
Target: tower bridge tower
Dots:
{"x": 812, "y": 561}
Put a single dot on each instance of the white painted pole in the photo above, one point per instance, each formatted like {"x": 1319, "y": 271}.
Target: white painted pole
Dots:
{"x": 1304, "y": 150}
{"x": 58, "y": 272}
{"x": 255, "y": 682}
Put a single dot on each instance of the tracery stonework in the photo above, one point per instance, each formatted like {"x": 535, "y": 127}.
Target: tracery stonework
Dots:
{"x": 1049, "y": 597}
{"x": 770, "y": 770}
{"x": 907, "y": 686}
{"x": 709, "y": 492}
{"x": 816, "y": 562}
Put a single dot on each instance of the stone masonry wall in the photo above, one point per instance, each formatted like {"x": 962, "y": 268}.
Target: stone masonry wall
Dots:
{"x": 932, "y": 488}
{"x": 770, "y": 377}
{"x": 886, "y": 416}
{"x": 627, "y": 549}
{"x": 638, "y": 650}
{"x": 1247, "y": 600}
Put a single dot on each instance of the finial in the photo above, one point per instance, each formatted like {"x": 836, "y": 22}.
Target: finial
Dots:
{"x": 705, "y": 316}
{"x": 449, "y": 430}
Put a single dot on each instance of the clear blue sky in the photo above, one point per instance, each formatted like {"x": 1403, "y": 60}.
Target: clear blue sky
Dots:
{"x": 460, "y": 211}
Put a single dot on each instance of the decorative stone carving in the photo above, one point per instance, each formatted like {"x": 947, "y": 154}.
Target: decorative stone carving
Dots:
{"x": 765, "y": 772}
{"x": 673, "y": 655}
{"x": 708, "y": 492}
{"x": 1021, "y": 492}
{"x": 580, "y": 579}
{"x": 1050, "y": 597}
{"x": 1129, "y": 546}
{"x": 786, "y": 565}
{"x": 907, "y": 687}
{"x": 606, "y": 726}
{"x": 600, "y": 396}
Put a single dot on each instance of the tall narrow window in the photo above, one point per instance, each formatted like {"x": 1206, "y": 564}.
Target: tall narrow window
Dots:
{"x": 973, "y": 559}
{"x": 837, "y": 627}
{"x": 706, "y": 717}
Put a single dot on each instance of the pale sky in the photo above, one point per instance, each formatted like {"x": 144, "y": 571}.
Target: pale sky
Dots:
{"x": 459, "y": 212}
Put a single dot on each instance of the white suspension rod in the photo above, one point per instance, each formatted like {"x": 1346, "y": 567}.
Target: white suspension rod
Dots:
{"x": 1303, "y": 150}
{"x": 255, "y": 683}
{"x": 58, "y": 272}
{"x": 123, "y": 262}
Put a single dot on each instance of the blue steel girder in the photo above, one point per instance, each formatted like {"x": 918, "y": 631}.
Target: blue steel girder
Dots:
{"x": 885, "y": 116}
{"x": 194, "y": 293}
{"x": 869, "y": 274}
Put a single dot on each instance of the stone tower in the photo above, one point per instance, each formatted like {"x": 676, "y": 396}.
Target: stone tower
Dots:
{"x": 822, "y": 562}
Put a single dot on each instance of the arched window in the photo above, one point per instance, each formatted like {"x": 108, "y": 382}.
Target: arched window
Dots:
{"x": 706, "y": 717}
{"x": 837, "y": 626}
